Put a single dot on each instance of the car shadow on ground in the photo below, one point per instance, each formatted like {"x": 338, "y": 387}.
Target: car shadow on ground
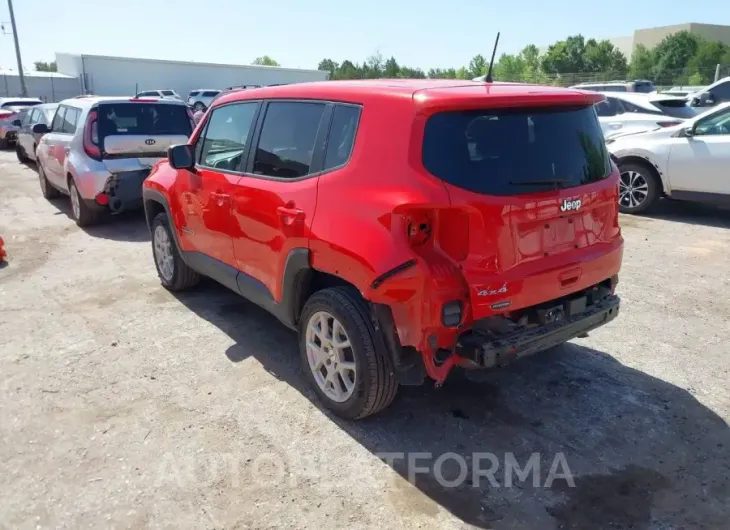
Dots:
{"x": 637, "y": 447}
{"x": 691, "y": 213}
{"x": 126, "y": 226}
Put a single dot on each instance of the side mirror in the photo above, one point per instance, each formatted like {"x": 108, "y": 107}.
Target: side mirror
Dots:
{"x": 40, "y": 128}
{"x": 181, "y": 156}
{"x": 17, "y": 123}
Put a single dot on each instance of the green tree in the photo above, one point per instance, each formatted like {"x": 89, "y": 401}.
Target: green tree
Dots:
{"x": 463, "y": 73}
{"x": 703, "y": 63}
{"x": 477, "y": 66}
{"x": 42, "y": 66}
{"x": 565, "y": 56}
{"x": 510, "y": 68}
{"x": 411, "y": 73}
{"x": 672, "y": 55}
{"x": 391, "y": 70}
{"x": 265, "y": 61}
{"x": 347, "y": 70}
{"x": 442, "y": 73}
{"x": 328, "y": 65}
{"x": 604, "y": 57}
{"x": 642, "y": 63}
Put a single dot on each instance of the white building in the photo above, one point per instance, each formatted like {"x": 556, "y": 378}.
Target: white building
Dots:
{"x": 48, "y": 86}
{"x": 118, "y": 76}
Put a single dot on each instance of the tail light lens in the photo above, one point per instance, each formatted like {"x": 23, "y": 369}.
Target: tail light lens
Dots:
{"x": 5, "y": 114}
{"x": 91, "y": 136}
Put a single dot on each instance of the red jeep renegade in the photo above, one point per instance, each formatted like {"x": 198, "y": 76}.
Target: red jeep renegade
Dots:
{"x": 403, "y": 227}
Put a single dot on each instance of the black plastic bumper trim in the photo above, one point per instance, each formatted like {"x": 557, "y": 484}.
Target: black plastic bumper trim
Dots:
{"x": 488, "y": 352}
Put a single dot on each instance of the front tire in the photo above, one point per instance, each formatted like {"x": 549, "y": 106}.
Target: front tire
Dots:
{"x": 20, "y": 153}
{"x": 343, "y": 356}
{"x": 639, "y": 188}
{"x": 174, "y": 274}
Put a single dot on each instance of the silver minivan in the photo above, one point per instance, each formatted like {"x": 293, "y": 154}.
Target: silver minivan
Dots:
{"x": 99, "y": 150}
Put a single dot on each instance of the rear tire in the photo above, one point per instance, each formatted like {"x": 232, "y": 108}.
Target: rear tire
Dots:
{"x": 83, "y": 215}
{"x": 48, "y": 191}
{"x": 639, "y": 189}
{"x": 174, "y": 274}
{"x": 333, "y": 317}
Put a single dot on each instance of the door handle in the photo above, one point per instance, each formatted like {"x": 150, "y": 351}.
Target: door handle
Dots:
{"x": 290, "y": 214}
{"x": 220, "y": 198}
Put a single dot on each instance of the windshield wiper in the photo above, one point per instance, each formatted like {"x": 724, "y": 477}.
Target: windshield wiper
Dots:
{"x": 546, "y": 182}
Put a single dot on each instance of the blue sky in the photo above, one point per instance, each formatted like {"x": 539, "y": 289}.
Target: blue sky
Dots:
{"x": 299, "y": 33}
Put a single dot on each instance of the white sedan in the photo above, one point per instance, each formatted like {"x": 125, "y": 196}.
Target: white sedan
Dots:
{"x": 690, "y": 162}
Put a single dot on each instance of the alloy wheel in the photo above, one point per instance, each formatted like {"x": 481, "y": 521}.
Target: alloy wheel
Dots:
{"x": 163, "y": 254}
{"x": 330, "y": 356}
{"x": 633, "y": 189}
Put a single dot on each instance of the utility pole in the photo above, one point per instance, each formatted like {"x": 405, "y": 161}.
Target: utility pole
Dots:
{"x": 23, "y": 88}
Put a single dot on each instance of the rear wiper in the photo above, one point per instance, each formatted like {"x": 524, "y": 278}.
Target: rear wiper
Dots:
{"x": 546, "y": 182}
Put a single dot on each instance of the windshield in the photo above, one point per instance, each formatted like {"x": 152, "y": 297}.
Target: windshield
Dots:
{"x": 516, "y": 151}
{"x": 143, "y": 119}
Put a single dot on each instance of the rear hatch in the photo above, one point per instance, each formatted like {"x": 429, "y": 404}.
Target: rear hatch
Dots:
{"x": 537, "y": 188}
{"x": 136, "y": 134}
{"x": 674, "y": 106}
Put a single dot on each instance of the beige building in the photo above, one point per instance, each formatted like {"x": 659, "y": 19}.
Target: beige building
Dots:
{"x": 650, "y": 37}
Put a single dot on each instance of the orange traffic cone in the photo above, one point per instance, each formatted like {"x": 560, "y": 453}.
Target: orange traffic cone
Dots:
{"x": 2, "y": 249}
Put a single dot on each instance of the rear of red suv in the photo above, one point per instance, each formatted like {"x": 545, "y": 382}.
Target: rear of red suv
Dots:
{"x": 532, "y": 224}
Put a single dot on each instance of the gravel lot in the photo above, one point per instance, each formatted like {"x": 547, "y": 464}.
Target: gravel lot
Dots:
{"x": 123, "y": 406}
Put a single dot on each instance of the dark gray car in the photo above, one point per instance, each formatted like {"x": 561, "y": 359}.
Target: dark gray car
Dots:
{"x": 27, "y": 139}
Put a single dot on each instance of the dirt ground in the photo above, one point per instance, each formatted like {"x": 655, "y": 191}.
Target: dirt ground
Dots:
{"x": 123, "y": 406}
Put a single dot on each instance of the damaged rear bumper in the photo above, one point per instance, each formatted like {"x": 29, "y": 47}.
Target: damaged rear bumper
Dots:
{"x": 124, "y": 190}
{"x": 487, "y": 350}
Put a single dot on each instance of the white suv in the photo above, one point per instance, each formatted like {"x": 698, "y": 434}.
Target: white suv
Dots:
{"x": 100, "y": 150}
{"x": 163, "y": 94}
{"x": 686, "y": 162}
{"x": 201, "y": 98}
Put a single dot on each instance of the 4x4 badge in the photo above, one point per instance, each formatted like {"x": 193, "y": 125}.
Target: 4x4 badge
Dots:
{"x": 570, "y": 205}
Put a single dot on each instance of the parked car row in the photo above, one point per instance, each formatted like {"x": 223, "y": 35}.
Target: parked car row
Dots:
{"x": 373, "y": 222}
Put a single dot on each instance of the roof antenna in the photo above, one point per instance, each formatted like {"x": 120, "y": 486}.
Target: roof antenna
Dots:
{"x": 491, "y": 63}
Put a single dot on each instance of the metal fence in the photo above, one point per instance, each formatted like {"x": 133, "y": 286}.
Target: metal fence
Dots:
{"x": 50, "y": 89}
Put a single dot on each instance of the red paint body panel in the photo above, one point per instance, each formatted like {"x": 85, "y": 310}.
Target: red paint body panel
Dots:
{"x": 355, "y": 220}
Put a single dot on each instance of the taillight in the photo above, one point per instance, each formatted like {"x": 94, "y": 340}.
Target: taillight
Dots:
{"x": 91, "y": 136}
{"x": 668, "y": 123}
{"x": 5, "y": 114}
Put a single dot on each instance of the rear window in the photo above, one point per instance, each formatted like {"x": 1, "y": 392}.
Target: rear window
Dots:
{"x": 168, "y": 93}
{"x": 644, "y": 87}
{"x": 194, "y": 93}
{"x": 676, "y": 108}
{"x": 143, "y": 119}
{"x": 516, "y": 151}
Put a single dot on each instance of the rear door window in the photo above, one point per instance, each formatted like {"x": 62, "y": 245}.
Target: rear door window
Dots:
{"x": 148, "y": 119}
{"x": 211, "y": 93}
{"x": 516, "y": 151}
{"x": 342, "y": 135}
{"x": 287, "y": 140}
{"x": 168, "y": 93}
{"x": 70, "y": 120}
{"x": 30, "y": 117}
{"x": 193, "y": 93}
{"x": 57, "y": 124}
